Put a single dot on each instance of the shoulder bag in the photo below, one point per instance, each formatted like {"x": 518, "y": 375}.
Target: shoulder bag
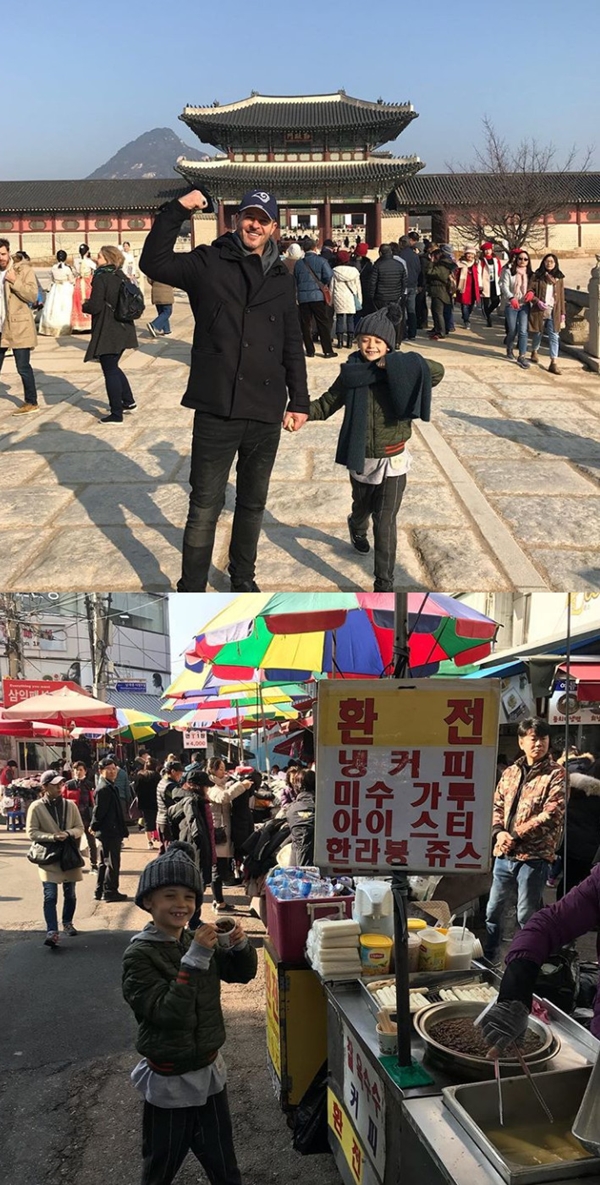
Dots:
{"x": 325, "y": 291}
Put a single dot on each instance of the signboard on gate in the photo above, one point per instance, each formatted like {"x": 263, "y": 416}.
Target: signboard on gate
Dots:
{"x": 406, "y": 773}
{"x": 580, "y": 711}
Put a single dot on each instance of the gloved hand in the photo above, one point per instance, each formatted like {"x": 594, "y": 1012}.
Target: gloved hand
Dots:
{"x": 514, "y": 304}
{"x": 529, "y": 295}
{"x": 504, "y": 1024}
{"x": 540, "y": 304}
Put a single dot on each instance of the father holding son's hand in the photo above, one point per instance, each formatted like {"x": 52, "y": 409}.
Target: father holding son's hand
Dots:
{"x": 247, "y": 373}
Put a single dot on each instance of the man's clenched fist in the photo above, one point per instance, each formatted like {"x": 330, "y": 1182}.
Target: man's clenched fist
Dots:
{"x": 194, "y": 200}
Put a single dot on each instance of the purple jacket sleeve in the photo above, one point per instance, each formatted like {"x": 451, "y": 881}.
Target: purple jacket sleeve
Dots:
{"x": 561, "y": 923}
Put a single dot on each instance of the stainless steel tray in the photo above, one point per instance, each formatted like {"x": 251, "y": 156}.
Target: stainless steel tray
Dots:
{"x": 475, "y": 1106}
{"x": 430, "y": 979}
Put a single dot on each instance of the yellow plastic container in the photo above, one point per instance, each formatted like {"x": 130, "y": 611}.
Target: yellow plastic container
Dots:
{"x": 432, "y": 952}
{"x": 415, "y": 924}
{"x": 375, "y": 953}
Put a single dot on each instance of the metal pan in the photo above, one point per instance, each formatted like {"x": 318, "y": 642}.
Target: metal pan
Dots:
{"x": 466, "y": 1065}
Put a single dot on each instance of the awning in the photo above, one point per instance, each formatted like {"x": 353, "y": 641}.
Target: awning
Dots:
{"x": 587, "y": 677}
{"x": 512, "y": 666}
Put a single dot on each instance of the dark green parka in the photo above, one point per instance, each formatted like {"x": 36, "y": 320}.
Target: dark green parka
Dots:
{"x": 178, "y": 1008}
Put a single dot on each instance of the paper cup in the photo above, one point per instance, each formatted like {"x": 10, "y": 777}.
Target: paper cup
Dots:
{"x": 225, "y": 928}
{"x": 388, "y": 1042}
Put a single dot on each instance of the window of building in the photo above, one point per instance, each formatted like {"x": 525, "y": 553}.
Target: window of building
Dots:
{"x": 334, "y": 156}
{"x": 70, "y": 224}
{"x": 151, "y": 615}
{"x": 592, "y": 216}
{"x": 262, "y": 156}
{"x": 136, "y": 223}
{"x": 37, "y": 224}
{"x": 6, "y": 224}
{"x": 103, "y": 223}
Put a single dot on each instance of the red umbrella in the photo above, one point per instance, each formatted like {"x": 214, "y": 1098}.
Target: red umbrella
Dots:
{"x": 65, "y": 708}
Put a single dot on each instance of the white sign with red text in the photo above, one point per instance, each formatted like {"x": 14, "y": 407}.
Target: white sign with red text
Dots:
{"x": 364, "y": 1100}
{"x": 406, "y": 773}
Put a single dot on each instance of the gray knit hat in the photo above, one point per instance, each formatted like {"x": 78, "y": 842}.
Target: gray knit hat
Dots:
{"x": 381, "y": 323}
{"x": 177, "y": 866}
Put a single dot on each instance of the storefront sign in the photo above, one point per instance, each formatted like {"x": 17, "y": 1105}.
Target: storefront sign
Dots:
{"x": 17, "y": 690}
{"x": 406, "y": 772}
{"x": 364, "y": 1100}
{"x": 580, "y": 711}
{"x": 341, "y": 1126}
{"x": 131, "y": 685}
{"x": 273, "y": 1023}
{"x": 193, "y": 738}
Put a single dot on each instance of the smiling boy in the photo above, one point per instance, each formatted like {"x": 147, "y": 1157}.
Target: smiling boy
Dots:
{"x": 381, "y": 392}
{"x": 172, "y": 981}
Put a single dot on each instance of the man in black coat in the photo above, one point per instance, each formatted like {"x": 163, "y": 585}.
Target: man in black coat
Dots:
{"x": 386, "y": 283}
{"x": 108, "y": 821}
{"x": 247, "y": 374}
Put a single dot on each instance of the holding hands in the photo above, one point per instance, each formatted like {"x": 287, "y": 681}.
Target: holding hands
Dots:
{"x": 293, "y": 421}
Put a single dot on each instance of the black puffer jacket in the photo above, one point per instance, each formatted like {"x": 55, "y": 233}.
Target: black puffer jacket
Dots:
{"x": 387, "y": 282}
{"x": 247, "y": 354}
{"x": 108, "y": 335}
{"x": 301, "y": 821}
{"x": 107, "y": 816}
{"x": 583, "y": 818}
{"x": 187, "y": 821}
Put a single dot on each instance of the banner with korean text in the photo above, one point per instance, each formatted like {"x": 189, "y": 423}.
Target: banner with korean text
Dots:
{"x": 406, "y": 773}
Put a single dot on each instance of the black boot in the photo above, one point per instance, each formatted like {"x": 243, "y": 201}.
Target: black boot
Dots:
{"x": 349, "y": 340}
{"x": 340, "y": 341}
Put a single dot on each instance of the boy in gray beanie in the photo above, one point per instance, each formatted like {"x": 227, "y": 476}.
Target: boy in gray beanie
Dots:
{"x": 172, "y": 981}
{"x": 381, "y": 391}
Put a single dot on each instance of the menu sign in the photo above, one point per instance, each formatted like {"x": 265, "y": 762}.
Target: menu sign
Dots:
{"x": 364, "y": 1100}
{"x": 406, "y": 773}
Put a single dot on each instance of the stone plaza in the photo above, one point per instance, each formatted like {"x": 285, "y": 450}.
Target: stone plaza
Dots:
{"x": 503, "y": 493}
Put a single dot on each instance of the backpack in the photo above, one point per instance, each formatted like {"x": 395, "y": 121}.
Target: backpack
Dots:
{"x": 130, "y": 302}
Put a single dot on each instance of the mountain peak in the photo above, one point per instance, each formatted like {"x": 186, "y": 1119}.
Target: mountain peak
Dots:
{"x": 153, "y": 154}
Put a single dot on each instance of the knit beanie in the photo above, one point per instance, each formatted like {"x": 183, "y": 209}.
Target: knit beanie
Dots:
{"x": 176, "y": 867}
{"x": 361, "y": 249}
{"x": 343, "y": 256}
{"x": 380, "y": 324}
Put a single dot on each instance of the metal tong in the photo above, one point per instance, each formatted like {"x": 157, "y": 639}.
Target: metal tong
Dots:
{"x": 499, "y": 1085}
{"x": 535, "y": 1088}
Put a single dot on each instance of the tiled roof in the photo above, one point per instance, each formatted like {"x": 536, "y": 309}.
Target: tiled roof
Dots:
{"x": 47, "y": 197}
{"x": 461, "y": 189}
{"x": 225, "y": 178}
{"x": 280, "y": 112}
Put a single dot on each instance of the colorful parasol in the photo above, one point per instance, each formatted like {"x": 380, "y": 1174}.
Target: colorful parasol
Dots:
{"x": 292, "y": 635}
{"x": 138, "y": 726}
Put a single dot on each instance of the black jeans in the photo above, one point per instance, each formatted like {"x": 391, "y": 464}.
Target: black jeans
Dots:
{"x": 382, "y": 502}
{"x": 168, "y": 1134}
{"x": 421, "y": 309}
{"x": 221, "y": 869}
{"x": 410, "y": 325}
{"x": 109, "y": 867}
{"x": 320, "y": 311}
{"x": 437, "y": 312}
{"x": 23, "y": 364}
{"x": 489, "y": 304}
{"x": 118, "y": 390}
{"x": 216, "y": 443}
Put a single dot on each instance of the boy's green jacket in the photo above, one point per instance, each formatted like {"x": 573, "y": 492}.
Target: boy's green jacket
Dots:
{"x": 384, "y": 430}
{"x": 178, "y": 1009}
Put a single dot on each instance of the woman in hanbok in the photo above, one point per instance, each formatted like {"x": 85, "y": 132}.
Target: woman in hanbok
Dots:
{"x": 55, "y": 320}
{"x": 84, "y": 269}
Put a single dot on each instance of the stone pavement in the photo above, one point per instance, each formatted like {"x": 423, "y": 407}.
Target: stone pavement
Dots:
{"x": 503, "y": 493}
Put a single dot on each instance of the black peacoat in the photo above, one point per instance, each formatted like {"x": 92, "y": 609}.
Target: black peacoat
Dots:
{"x": 108, "y": 335}
{"x": 247, "y": 353}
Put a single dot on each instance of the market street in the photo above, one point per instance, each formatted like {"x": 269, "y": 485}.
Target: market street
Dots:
{"x": 503, "y": 493}
{"x": 67, "y": 1045}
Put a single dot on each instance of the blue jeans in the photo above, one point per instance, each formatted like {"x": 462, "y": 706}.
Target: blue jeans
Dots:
{"x": 51, "y": 902}
{"x": 23, "y": 364}
{"x": 528, "y": 878}
{"x": 552, "y": 335}
{"x": 410, "y": 324}
{"x": 162, "y": 323}
{"x": 517, "y": 321}
{"x": 466, "y": 310}
{"x": 344, "y": 323}
{"x": 118, "y": 390}
{"x": 449, "y": 317}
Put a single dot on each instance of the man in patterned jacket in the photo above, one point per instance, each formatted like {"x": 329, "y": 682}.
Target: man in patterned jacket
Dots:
{"x": 527, "y": 826}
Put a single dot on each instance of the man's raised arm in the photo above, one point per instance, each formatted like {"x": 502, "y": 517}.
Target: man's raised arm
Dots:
{"x": 158, "y": 258}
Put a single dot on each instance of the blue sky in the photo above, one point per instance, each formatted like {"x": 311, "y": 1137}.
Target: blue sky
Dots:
{"x": 77, "y": 82}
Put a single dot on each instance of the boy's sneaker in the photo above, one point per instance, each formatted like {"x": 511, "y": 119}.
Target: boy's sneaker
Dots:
{"x": 70, "y": 929}
{"x": 359, "y": 542}
{"x": 51, "y": 938}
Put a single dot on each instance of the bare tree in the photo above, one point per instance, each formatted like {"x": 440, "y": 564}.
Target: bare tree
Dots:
{"x": 510, "y": 191}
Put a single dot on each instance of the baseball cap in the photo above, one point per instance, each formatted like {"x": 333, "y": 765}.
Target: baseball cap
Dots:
{"x": 106, "y": 761}
{"x": 51, "y": 778}
{"x": 261, "y": 200}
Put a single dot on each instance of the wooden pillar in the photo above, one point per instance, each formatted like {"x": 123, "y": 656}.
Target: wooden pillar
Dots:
{"x": 326, "y": 219}
{"x": 377, "y": 225}
{"x": 220, "y": 218}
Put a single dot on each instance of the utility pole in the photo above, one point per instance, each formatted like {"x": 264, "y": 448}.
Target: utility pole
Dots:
{"x": 9, "y": 613}
{"x": 97, "y": 606}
